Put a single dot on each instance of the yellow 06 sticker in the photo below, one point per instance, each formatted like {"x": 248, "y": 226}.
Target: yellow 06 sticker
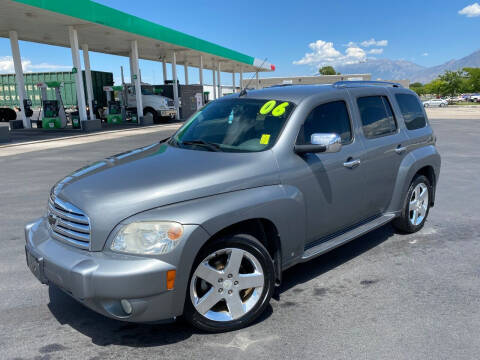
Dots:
{"x": 270, "y": 106}
{"x": 280, "y": 109}
{"x": 265, "y": 139}
{"x": 267, "y": 107}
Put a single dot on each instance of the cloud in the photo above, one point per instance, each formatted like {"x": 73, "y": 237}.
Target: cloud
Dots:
{"x": 6, "y": 66}
{"x": 373, "y": 42}
{"x": 471, "y": 10}
{"x": 425, "y": 54}
{"x": 324, "y": 52}
{"x": 375, "y": 51}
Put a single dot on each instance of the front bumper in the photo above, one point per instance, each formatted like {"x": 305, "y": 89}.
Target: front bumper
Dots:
{"x": 169, "y": 112}
{"x": 100, "y": 280}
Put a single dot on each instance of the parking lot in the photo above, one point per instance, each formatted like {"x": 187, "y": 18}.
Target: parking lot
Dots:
{"x": 383, "y": 296}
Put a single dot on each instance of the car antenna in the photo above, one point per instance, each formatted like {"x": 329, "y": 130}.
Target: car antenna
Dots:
{"x": 244, "y": 90}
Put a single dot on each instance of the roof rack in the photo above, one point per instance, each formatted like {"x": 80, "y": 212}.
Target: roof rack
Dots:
{"x": 280, "y": 85}
{"x": 366, "y": 82}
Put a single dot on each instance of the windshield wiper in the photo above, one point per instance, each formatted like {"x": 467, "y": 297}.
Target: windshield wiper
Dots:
{"x": 208, "y": 145}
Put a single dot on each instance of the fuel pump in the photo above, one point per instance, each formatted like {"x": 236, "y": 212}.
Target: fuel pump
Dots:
{"x": 116, "y": 112}
{"x": 54, "y": 116}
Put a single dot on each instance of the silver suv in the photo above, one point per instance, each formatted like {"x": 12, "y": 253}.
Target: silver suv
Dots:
{"x": 203, "y": 223}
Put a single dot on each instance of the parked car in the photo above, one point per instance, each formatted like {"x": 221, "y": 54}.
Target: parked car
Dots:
{"x": 204, "y": 223}
{"x": 435, "y": 102}
{"x": 475, "y": 98}
{"x": 457, "y": 99}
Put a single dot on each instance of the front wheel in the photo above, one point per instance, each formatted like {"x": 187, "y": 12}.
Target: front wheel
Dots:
{"x": 231, "y": 284}
{"x": 151, "y": 112}
{"x": 416, "y": 206}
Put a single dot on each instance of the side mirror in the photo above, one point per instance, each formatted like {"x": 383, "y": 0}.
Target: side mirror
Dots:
{"x": 327, "y": 143}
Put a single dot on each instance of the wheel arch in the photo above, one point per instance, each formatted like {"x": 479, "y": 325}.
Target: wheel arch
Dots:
{"x": 424, "y": 160}
{"x": 429, "y": 173}
{"x": 262, "y": 229}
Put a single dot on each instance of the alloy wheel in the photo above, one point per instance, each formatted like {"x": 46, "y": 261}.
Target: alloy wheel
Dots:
{"x": 418, "y": 205}
{"x": 227, "y": 284}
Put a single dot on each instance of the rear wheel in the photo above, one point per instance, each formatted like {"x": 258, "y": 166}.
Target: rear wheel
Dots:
{"x": 416, "y": 207}
{"x": 231, "y": 284}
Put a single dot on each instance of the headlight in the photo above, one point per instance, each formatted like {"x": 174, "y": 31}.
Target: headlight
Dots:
{"x": 152, "y": 238}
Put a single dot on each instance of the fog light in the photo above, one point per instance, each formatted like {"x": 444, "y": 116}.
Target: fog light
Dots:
{"x": 126, "y": 306}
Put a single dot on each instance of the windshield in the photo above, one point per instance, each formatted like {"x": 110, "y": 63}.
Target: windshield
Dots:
{"x": 147, "y": 90}
{"x": 235, "y": 125}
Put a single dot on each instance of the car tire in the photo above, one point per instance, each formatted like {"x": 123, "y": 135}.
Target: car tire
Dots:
{"x": 426, "y": 105}
{"x": 416, "y": 206}
{"x": 217, "y": 299}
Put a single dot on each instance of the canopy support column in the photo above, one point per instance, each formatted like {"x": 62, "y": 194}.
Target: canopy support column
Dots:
{"x": 241, "y": 79}
{"x": 214, "y": 83}
{"x": 136, "y": 79}
{"x": 88, "y": 80}
{"x": 17, "y": 64}
{"x": 164, "y": 69}
{"x": 175, "y": 86}
{"x": 185, "y": 67}
{"x": 200, "y": 77}
{"x": 219, "y": 80}
{"x": 82, "y": 108}
{"x": 131, "y": 67}
{"x": 234, "y": 90}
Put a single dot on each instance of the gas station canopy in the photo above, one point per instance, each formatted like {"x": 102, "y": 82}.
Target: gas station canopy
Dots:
{"x": 111, "y": 31}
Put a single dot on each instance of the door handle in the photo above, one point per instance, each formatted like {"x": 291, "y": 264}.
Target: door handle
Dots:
{"x": 400, "y": 149}
{"x": 352, "y": 163}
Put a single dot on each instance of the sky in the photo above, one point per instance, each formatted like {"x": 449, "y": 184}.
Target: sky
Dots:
{"x": 297, "y": 37}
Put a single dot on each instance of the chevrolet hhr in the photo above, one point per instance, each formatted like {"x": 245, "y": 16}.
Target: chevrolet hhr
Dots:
{"x": 203, "y": 223}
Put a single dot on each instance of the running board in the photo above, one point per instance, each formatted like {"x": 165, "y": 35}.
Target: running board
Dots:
{"x": 331, "y": 244}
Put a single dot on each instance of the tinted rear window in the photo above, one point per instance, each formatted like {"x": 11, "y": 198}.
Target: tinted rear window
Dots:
{"x": 377, "y": 116}
{"x": 412, "y": 111}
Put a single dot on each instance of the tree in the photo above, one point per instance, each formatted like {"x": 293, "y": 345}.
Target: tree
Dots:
{"x": 327, "y": 70}
{"x": 453, "y": 82}
{"x": 435, "y": 87}
{"x": 416, "y": 84}
{"x": 418, "y": 88}
{"x": 472, "y": 79}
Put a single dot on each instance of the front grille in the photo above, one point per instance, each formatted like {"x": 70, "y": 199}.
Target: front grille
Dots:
{"x": 68, "y": 223}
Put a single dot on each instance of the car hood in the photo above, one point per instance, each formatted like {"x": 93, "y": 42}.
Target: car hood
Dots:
{"x": 120, "y": 186}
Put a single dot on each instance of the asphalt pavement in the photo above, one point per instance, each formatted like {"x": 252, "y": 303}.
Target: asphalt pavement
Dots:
{"x": 382, "y": 296}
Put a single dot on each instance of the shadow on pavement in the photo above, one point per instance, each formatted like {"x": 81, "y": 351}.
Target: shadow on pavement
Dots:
{"x": 104, "y": 331}
{"x": 304, "y": 272}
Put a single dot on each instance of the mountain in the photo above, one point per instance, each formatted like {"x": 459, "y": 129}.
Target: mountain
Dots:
{"x": 382, "y": 69}
{"x": 400, "y": 69}
{"x": 428, "y": 74}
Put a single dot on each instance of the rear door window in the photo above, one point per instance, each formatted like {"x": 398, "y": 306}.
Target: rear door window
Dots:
{"x": 377, "y": 116}
{"x": 412, "y": 111}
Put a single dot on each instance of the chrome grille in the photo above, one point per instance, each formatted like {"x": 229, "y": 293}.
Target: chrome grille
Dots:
{"x": 68, "y": 223}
